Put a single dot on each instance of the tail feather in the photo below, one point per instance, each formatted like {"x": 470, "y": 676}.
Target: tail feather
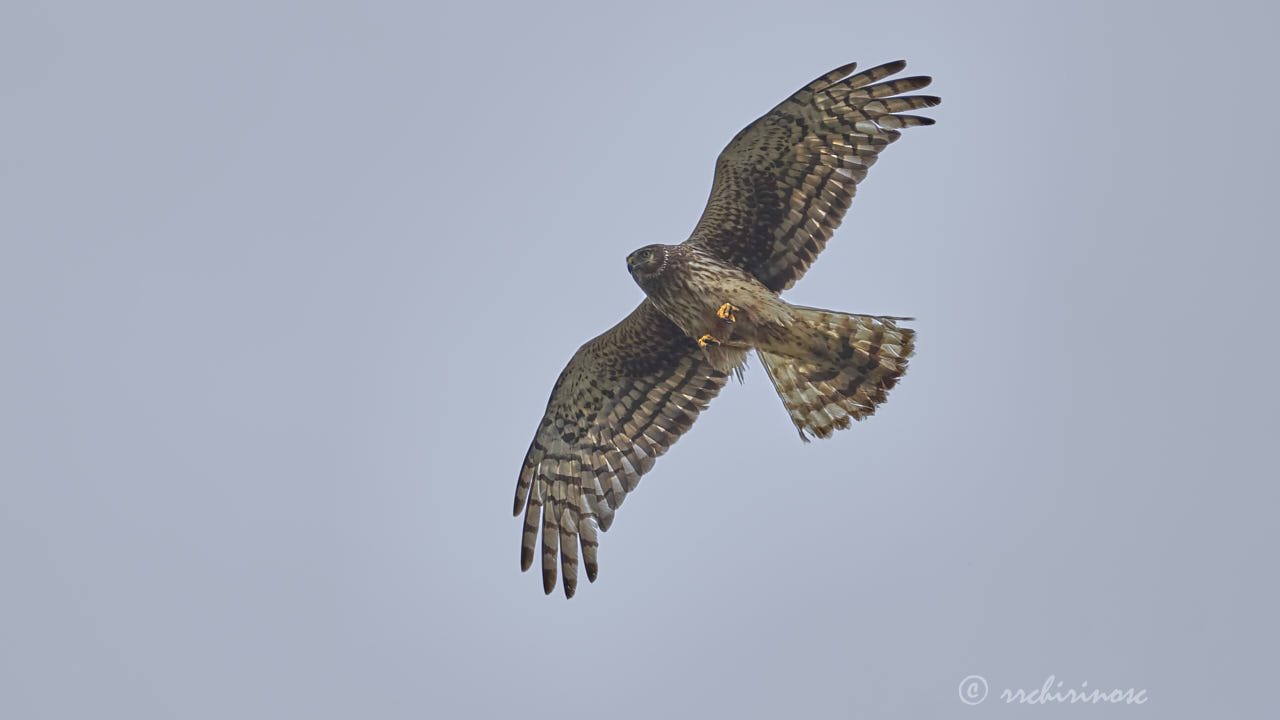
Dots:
{"x": 830, "y": 368}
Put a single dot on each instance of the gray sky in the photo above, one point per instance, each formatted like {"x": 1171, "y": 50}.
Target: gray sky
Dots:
{"x": 284, "y": 288}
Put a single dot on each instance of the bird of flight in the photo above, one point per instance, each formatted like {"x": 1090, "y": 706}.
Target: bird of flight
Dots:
{"x": 781, "y": 187}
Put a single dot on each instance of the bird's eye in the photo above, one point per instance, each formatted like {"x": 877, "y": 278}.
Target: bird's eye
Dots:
{"x": 644, "y": 254}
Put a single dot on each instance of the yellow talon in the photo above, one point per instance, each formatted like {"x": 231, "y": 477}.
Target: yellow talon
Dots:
{"x": 726, "y": 312}
{"x": 706, "y": 340}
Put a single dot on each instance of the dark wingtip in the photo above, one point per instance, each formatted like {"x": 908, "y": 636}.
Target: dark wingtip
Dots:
{"x": 526, "y": 559}
{"x": 845, "y": 69}
{"x": 915, "y": 82}
{"x": 548, "y": 582}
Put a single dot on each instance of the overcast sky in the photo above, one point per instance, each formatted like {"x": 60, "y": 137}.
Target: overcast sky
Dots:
{"x": 284, "y": 288}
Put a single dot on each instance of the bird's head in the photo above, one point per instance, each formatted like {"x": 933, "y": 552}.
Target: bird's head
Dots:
{"x": 647, "y": 262}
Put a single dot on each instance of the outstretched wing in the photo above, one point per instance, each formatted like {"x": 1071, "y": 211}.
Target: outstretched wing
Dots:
{"x": 623, "y": 399}
{"x": 784, "y": 183}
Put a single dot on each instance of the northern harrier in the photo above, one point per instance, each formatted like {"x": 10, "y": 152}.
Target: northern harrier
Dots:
{"x": 781, "y": 187}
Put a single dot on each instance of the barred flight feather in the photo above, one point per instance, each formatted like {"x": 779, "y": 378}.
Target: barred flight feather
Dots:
{"x": 622, "y": 401}
{"x": 779, "y": 234}
{"x": 831, "y": 367}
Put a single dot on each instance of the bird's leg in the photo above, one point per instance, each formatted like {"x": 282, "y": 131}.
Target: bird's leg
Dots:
{"x": 721, "y": 337}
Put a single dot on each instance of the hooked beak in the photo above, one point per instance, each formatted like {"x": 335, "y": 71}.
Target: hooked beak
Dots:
{"x": 631, "y": 262}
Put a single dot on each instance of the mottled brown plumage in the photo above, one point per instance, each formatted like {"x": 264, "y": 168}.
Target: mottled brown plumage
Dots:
{"x": 781, "y": 188}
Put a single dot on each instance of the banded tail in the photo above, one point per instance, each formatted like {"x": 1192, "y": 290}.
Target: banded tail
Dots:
{"x": 830, "y": 367}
